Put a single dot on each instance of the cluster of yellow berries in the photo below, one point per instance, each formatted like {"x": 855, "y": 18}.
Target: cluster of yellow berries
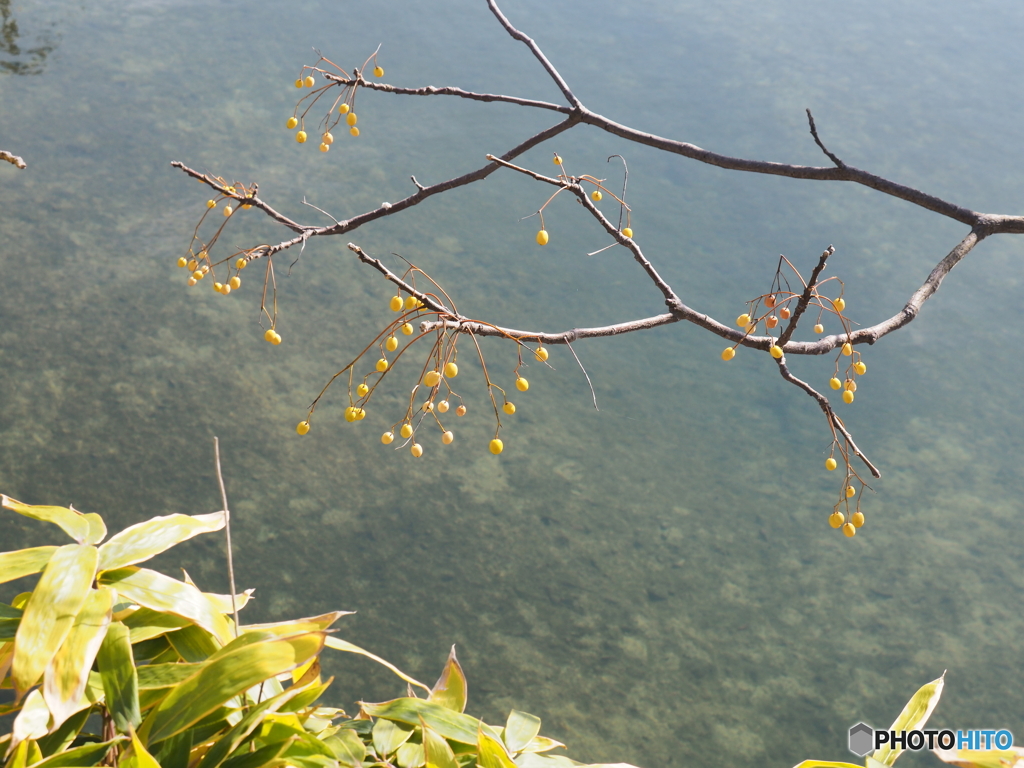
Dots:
{"x": 597, "y": 196}
{"x": 344, "y": 110}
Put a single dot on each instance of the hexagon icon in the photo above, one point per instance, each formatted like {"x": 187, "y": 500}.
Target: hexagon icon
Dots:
{"x": 862, "y": 738}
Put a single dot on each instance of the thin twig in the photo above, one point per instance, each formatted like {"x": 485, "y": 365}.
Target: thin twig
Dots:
{"x": 593, "y": 394}
{"x": 814, "y": 133}
{"x": 227, "y": 530}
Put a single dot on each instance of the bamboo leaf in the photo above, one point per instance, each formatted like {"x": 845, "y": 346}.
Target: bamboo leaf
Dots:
{"x": 409, "y": 755}
{"x": 165, "y": 675}
{"x": 141, "y": 541}
{"x": 492, "y": 753}
{"x": 543, "y": 744}
{"x": 32, "y": 721}
{"x": 388, "y": 736}
{"x": 450, "y": 690}
{"x": 24, "y": 562}
{"x": 140, "y": 758}
{"x": 120, "y": 679}
{"x": 10, "y": 618}
{"x": 58, "y": 740}
{"x": 264, "y": 757}
{"x": 162, "y": 593}
{"x": 51, "y": 610}
{"x": 913, "y": 716}
{"x": 520, "y": 730}
{"x": 220, "y": 680}
{"x": 342, "y": 645}
{"x": 436, "y": 751}
{"x": 450, "y": 724}
{"x": 145, "y": 624}
{"x": 68, "y": 672}
{"x": 87, "y": 754}
{"x": 71, "y": 521}
{"x": 348, "y": 748}
{"x": 193, "y": 643}
{"x": 97, "y": 528}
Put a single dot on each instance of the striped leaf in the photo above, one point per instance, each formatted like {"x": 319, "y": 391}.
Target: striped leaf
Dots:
{"x": 142, "y": 541}
{"x": 24, "y": 562}
{"x": 71, "y": 521}
{"x": 120, "y": 678}
{"x": 51, "y": 610}
{"x": 913, "y": 716}
{"x": 450, "y": 724}
{"x": 343, "y": 645}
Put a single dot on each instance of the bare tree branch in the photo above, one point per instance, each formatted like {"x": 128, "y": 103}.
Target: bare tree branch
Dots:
{"x": 14, "y": 160}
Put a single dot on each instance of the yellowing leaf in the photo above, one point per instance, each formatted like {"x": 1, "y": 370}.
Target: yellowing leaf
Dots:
{"x": 68, "y": 672}
{"x": 343, "y": 645}
{"x": 74, "y": 523}
{"x": 520, "y": 729}
{"x": 162, "y": 593}
{"x": 97, "y": 528}
{"x": 141, "y": 758}
{"x": 437, "y": 753}
{"x": 388, "y": 736}
{"x": 24, "y": 562}
{"x": 913, "y": 716}
{"x": 450, "y": 724}
{"x": 32, "y": 721}
{"x": 492, "y": 753}
{"x": 141, "y": 541}
{"x": 450, "y": 690}
{"x": 348, "y": 748}
{"x": 51, "y": 610}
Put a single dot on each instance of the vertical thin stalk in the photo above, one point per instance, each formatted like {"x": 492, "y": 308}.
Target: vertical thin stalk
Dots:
{"x": 227, "y": 530}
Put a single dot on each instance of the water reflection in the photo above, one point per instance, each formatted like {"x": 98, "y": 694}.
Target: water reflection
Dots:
{"x": 15, "y": 57}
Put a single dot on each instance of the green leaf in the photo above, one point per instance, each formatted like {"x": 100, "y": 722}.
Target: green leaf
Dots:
{"x": 348, "y": 748}
{"x": 87, "y": 754}
{"x": 450, "y": 690}
{"x": 140, "y": 542}
{"x": 24, "y": 562}
{"x": 165, "y": 675}
{"x": 492, "y": 753}
{"x": 409, "y": 755}
{"x": 10, "y": 618}
{"x": 342, "y": 645}
{"x": 74, "y": 523}
{"x": 68, "y": 672}
{"x": 140, "y": 757}
{"x": 51, "y": 610}
{"x": 913, "y": 716}
{"x": 227, "y": 676}
{"x": 520, "y": 730}
{"x": 145, "y": 623}
{"x": 450, "y": 724}
{"x": 389, "y": 736}
{"x": 58, "y": 740}
{"x": 176, "y": 751}
{"x": 193, "y": 643}
{"x": 120, "y": 680}
{"x": 162, "y": 593}
{"x": 265, "y": 756}
{"x": 436, "y": 751}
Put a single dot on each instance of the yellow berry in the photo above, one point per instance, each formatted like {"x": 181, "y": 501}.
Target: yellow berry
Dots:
{"x": 350, "y": 414}
{"x": 378, "y": 71}
{"x": 192, "y": 264}
{"x": 211, "y": 204}
{"x": 240, "y": 264}
{"x": 509, "y": 408}
{"x": 362, "y": 390}
{"x": 328, "y": 138}
{"x": 728, "y": 354}
{"x": 353, "y": 131}
{"x": 771, "y": 321}
{"x": 785, "y": 312}
{"x": 522, "y": 384}
{"x": 428, "y": 406}
{"x": 460, "y": 411}
{"x": 351, "y": 119}
{"x": 849, "y": 530}
{"x": 226, "y": 289}
{"x": 860, "y": 367}
{"x": 382, "y": 365}
{"x": 302, "y": 427}
{"x": 343, "y": 109}
{"x": 627, "y": 232}
{"x": 432, "y": 378}
{"x": 857, "y": 518}
{"x": 847, "y": 349}
{"x": 387, "y": 438}
{"x": 292, "y": 122}
{"x": 542, "y": 237}
{"x": 269, "y": 335}
{"x": 406, "y": 431}
{"x": 227, "y": 210}
{"x": 447, "y": 437}
{"x": 442, "y": 407}
{"x": 198, "y": 275}
{"x": 850, "y": 491}
{"x": 182, "y": 261}
{"x": 847, "y": 397}
{"x": 836, "y": 519}
{"x": 839, "y": 304}
{"x": 835, "y": 383}
{"x": 324, "y": 148}
{"x": 407, "y": 329}
{"x": 819, "y": 328}
{"x": 190, "y": 282}
{"x": 218, "y": 287}
{"x": 396, "y": 304}
{"x": 410, "y": 302}
{"x": 557, "y": 160}
{"x": 360, "y": 413}
{"x": 298, "y": 83}
{"x": 277, "y": 339}
{"x": 596, "y": 195}
{"x": 416, "y": 450}
{"x": 235, "y": 282}
{"x": 541, "y": 354}
{"x": 743, "y": 320}
{"x": 205, "y": 268}
{"x": 776, "y": 351}
{"x": 308, "y": 82}
{"x": 301, "y": 137}
{"x": 391, "y": 344}
{"x": 451, "y": 370}
{"x": 830, "y": 464}
{"x": 850, "y": 384}
{"x": 497, "y": 446}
